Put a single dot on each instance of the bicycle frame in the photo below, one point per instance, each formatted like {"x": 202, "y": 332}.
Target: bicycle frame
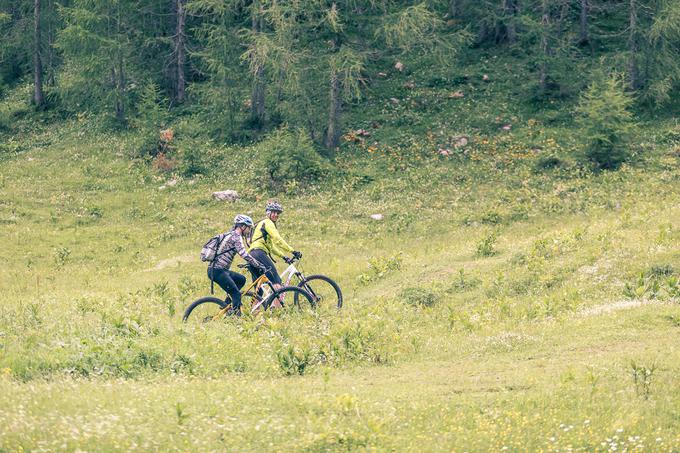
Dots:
{"x": 260, "y": 283}
{"x": 290, "y": 271}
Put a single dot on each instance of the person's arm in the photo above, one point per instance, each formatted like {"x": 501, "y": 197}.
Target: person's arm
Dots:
{"x": 241, "y": 249}
{"x": 279, "y": 246}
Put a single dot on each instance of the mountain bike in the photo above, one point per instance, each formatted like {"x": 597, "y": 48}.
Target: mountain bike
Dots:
{"x": 322, "y": 288}
{"x": 260, "y": 294}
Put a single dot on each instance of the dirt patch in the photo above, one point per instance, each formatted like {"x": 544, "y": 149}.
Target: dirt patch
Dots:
{"x": 172, "y": 262}
{"x": 615, "y": 306}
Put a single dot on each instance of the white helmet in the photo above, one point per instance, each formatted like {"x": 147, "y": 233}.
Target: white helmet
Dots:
{"x": 243, "y": 220}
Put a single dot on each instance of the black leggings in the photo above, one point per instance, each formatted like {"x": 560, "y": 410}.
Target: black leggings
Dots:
{"x": 262, "y": 257}
{"x": 230, "y": 281}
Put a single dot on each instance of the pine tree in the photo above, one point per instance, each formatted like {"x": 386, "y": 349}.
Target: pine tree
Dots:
{"x": 606, "y": 121}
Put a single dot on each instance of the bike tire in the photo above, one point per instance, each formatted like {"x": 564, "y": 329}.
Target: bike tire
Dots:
{"x": 333, "y": 292}
{"x": 284, "y": 292}
{"x": 220, "y": 305}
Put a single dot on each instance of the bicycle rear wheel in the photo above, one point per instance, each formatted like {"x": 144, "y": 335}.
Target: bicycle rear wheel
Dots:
{"x": 299, "y": 295}
{"x": 205, "y": 309}
{"x": 323, "y": 290}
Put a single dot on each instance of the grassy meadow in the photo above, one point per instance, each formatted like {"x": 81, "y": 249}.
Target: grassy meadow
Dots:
{"x": 494, "y": 307}
{"x": 505, "y": 301}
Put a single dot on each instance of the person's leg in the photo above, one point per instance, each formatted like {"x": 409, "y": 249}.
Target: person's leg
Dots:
{"x": 224, "y": 279}
{"x": 272, "y": 274}
{"x": 239, "y": 279}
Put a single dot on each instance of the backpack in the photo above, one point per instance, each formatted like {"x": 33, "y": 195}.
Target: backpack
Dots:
{"x": 210, "y": 249}
{"x": 210, "y": 252}
{"x": 265, "y": 235}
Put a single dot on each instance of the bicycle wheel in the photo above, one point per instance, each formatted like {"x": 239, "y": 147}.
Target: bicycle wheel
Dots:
{"x": 284, "y": 294}
{"x": 323, "y": 290}
{"x": 205, "y": 309}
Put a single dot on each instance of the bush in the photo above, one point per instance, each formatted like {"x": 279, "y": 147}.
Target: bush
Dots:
{"x": 486, "y": 247}
{"x": 605, "y": 122}
{"x": 418, "y": 297}
{"x": 547, "y": 163}
{"x": 192, "y": 162}
{"x": 291, "y": 159}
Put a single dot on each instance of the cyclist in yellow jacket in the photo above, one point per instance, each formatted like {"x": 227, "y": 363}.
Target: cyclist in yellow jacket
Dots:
{"x": 267, "y": 243}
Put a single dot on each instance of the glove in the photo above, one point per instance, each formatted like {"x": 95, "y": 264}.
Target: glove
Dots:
{"x": 288, "y": 260}
{"x": 297, "y": 255}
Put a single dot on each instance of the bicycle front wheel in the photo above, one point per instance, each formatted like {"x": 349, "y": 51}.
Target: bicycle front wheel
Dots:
{"x": 288, "y": 294}
{"x": 206, "y": 309}
{"x": 323, "y": 290}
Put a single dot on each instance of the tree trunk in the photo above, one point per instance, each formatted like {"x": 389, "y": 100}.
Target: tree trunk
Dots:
{"x": 633, "y": 48}
{"x": 453, "y": 9}
{"x": 505, "y": 28}
{"x": 543, "y": 67}
{"x": 119, "y": 76}
{"x": 180, "y": 52}
{"x": 38, "y": 98}
{"x": 332, "y": 139}
{"x": 257, "y": 96}
{"x": 584, "y": 37}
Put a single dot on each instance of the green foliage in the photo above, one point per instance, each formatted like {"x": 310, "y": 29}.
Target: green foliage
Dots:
{"x": 293, "y": 361}
{"x": 379, "y": 267}
{"x": 547, "y": 163}
{"x": 418, "y": 297}
{"x": 290, "y": 159}
{"x": 642, "y": 379}
{"x": 658, "y": 282}
{"x": 606, "y": 123}
{"x": 486, "y": 247}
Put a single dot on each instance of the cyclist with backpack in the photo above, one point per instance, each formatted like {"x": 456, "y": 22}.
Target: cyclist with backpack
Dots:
{"x": 220, "y": 251}
{"x": 267, "y": 243}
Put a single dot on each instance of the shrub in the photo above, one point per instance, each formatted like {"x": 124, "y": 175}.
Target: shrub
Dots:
{"x": 605, "y": 121}
{"x": 290, "y": 158}
{"x": 191, "y": 161}
{"x": 485, "y": 247}
{"x": 419, "y": 297}
{"x": 547, "y": 163}
{"x": 293, "y": 361}
{"x": 378, "y": 267}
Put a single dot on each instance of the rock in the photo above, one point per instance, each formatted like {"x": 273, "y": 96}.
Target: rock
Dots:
{"x": 506, "y": 127}
{"x": 399, "y": 66}
{"x": 382, "y": 74}
{"x": 461, "y": 141}
{"x": 167, "y": 135}
{"x": 410, "y": 85}
{"x": 444, "y": 152}
{"x": 456, "y": 95}
{"x": 226, "y": 195}
{"x": 362, "y": 133}
{"x": 394, "y": 100}
{"x": 172, "y": 182}
{"x": 377, "y": 216}
{"x": 485, "y": 78}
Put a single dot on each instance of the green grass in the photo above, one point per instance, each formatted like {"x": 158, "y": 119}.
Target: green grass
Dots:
{"x": 497, "y": 304}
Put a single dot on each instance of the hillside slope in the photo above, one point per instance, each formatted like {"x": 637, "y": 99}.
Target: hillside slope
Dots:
{"x": 495, "y": 305}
